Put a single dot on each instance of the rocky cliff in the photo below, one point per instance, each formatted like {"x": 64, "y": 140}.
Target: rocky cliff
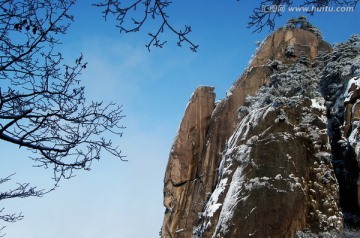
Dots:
{"x": 279, "y": 156}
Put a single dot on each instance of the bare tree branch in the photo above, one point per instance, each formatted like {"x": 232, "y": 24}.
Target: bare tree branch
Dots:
{"x": 130, "y": 20}
{"x": 23, "y": 190}
{"x": 42, "y": 104}
{"x": 43, "y": 108}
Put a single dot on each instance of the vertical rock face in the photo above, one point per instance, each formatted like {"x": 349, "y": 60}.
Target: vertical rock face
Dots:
{"x": 184, "y": 156}
{"x": 341, "y": 86}
{"x": 259, "y": 162}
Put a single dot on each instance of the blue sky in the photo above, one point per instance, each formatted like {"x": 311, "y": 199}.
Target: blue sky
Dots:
{"x": 124, "y": 199}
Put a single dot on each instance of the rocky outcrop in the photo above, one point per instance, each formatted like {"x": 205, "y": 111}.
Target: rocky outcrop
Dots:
{"x": 260, "y": 162}
{"x": 276, "y": 178}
